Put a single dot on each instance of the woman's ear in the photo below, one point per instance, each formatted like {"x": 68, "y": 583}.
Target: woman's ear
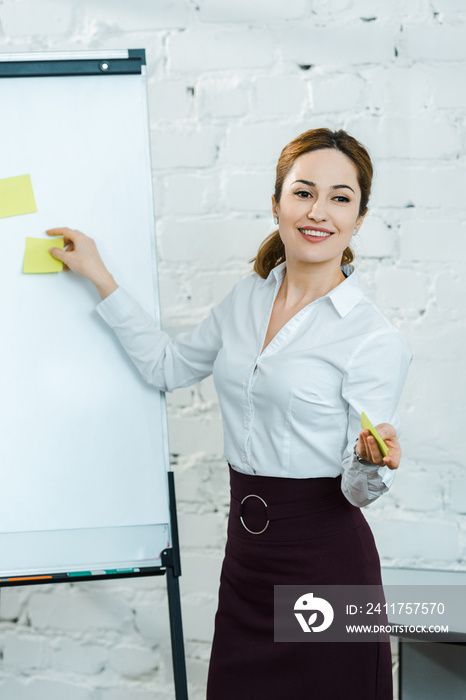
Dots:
{"x": 359, "y": 221}
{"x": 275, "y": 207}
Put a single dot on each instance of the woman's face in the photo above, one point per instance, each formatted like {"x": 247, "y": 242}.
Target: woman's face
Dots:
{"x": 319, "y": 207}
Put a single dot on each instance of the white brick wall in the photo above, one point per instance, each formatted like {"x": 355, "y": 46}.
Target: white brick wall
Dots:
{"x": 200, "y": 49}
{"x": 229, "y": 84}
{"x": 222, "y": 99}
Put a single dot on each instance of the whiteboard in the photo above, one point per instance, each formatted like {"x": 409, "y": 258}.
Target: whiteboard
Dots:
{"x": 83, "y": 440}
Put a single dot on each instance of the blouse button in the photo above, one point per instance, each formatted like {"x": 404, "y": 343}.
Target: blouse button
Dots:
{"x": 246, "y": 425}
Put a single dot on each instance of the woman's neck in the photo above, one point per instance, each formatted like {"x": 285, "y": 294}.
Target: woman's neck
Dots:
{"x": 303, "y": 284}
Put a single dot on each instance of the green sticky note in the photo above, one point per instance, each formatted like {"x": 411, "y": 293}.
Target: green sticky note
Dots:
{"x": 16, "y": 196}
{"x": 367, "y": 425}
{"x": 37, "y": 257}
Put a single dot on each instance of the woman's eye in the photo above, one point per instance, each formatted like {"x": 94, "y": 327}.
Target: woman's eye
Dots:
{"x": 303, "y": 194}
{"x": 342, "y": 198}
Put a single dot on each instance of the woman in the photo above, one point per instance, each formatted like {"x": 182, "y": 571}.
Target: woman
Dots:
{"x": 297, "y": 352}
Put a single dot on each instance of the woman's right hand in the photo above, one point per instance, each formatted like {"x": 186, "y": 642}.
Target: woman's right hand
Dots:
{"x": 82, "y": 257}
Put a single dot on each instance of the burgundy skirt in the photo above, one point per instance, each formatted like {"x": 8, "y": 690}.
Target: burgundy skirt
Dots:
{"x": 327, "y": 541}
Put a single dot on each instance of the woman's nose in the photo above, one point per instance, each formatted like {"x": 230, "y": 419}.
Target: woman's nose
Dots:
{"x": 317, "y": 211}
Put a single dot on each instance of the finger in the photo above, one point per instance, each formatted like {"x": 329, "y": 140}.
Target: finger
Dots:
{"x": 388, "y": 462}
{"x": 68, "y": 233}
{"x": 58, "y": 253}
{"x": 372, "y": 456}
{"x": 57, "y": 231}
{"x": 375, "y": 451}
{"x": 374, "y": 448}
{"x": 392, "y": 461}
{"x": 364, "y": 452}
{"x": 362, "y": 446}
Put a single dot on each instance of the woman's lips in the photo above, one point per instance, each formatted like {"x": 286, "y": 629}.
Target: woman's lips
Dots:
{"x": 315, "y": 235}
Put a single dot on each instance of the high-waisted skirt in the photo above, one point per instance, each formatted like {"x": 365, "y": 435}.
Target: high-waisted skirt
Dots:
{"x": 326, "y": 541}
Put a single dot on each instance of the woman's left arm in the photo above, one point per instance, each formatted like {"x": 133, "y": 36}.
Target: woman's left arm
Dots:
{"x": 373, "y": 381}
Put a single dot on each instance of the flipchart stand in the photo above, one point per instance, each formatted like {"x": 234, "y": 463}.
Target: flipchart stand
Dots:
{"x": 171, "y": 566}
{"x": 171, "y": 562}
{"x": 88, "y": 109}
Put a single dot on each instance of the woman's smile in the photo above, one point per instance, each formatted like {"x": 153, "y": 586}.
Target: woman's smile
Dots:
{"x": 314, "y": 235}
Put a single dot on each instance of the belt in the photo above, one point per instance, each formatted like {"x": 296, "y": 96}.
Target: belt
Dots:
{"x": 281, "y": 511}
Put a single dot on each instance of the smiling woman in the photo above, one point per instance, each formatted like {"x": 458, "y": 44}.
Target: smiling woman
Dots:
{"x": 317, "y": 211}
{"x": 339, "y": 143}
{"x": 297, "y": 352}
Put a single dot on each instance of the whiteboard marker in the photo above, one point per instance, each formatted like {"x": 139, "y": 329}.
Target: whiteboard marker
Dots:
{"x": 27, "y": 578}
{"x": 121, "y": 571}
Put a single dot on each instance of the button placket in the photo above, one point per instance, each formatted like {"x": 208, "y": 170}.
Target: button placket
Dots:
{"x": 248, "y": 414}
{"x": 248, "y": 406}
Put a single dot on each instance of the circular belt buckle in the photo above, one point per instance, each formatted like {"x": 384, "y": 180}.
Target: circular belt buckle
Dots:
{"x": 253, "y": 495}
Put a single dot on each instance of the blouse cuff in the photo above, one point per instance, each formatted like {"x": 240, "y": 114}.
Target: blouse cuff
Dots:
{"x": 117, "y": 307}
{"x": 364, "y": 482}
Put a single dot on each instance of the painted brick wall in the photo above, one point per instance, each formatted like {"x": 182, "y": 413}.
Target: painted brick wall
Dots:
{"x": 230, "y": 82}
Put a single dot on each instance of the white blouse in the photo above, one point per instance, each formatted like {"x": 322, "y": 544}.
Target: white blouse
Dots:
{"x": 293, "y": 410}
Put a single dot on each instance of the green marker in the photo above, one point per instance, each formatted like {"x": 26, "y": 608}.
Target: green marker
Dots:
{"x": 102, "y": 573}
{"x": 120, "y": 571}
{"x": 367, "y": 425}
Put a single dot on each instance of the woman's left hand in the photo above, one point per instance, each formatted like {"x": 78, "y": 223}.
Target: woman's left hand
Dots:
{"x": 368, "y": 449}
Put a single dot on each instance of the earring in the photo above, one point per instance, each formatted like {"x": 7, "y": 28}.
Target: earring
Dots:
{"x": 275, "y": 220}
{"x": 355, "y": 231}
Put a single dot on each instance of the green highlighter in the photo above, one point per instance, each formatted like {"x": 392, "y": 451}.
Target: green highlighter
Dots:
{"x": 367, "y": 425}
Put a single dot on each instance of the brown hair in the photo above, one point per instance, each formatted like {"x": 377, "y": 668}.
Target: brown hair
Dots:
{"x": 272, "y": 251}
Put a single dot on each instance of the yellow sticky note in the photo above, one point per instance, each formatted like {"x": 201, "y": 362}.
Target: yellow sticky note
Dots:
{"x": 37, "y": 257}
{"x": 367, "y": 425}
{"x": 16, "y": 196}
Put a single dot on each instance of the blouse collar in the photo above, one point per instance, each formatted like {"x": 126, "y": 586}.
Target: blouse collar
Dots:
{"x": 344, "y": 296}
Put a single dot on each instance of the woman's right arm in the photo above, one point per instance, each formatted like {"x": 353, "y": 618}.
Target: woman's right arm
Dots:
{"x": 166, "y": 364}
